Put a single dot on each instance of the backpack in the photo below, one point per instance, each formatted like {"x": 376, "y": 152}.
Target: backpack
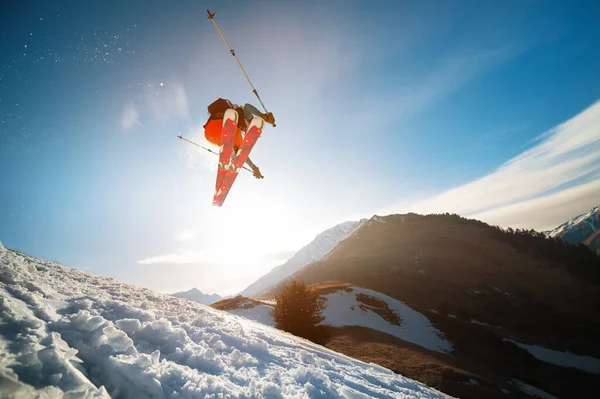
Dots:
{"x": 217, "y": 110}
{"x": 219, "y": 106}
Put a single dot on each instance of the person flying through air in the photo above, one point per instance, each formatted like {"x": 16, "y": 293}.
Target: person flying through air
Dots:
{"x": 214, "y": 125}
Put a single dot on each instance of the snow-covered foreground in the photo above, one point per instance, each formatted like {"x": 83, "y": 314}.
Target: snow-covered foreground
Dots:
{"x": 64, "y": 330}
{"x": 259, "y": 313}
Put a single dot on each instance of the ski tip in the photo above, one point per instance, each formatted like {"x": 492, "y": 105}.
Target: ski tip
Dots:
{"x": 258, "y": 122}
{"x": 230, "y": 114}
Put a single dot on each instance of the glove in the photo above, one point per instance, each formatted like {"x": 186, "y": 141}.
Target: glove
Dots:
{"x": 269, "y": 118}
{"x": 256, "y": 173}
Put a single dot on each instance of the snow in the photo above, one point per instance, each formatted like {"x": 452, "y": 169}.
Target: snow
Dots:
{"x": 198, "y": 296}
{"x": 343, "y": 310}
{"x": 67, "y": 333}
{"x": 322, "y": 245}
{"x": 376, "y": 218}
{"x": 531, "y": 390}
{"x": 573, "y": 223}
{"x": 482, "y": 323}
{"x": 566, "y": 359}
{"x": 503, "y": 292}
{"x": 259, "y": 313}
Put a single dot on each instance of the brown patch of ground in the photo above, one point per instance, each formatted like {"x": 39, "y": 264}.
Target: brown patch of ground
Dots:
{"x": 451, "y": 375}
{"x": 378, "y": 306}
{"x": 239, "y": 302}
{"x": 595, "y": 235}
{"x": 329, "y": 287}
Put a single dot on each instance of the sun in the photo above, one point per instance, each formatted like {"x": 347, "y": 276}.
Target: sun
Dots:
{"x": 247, "y": 229}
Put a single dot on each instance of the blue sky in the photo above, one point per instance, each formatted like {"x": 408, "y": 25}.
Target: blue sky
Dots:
{"x": 487, "y": 109}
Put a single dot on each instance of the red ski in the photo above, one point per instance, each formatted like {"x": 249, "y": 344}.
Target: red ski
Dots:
{"x": 227, "y": 137}
{"x": 250, "y": 139}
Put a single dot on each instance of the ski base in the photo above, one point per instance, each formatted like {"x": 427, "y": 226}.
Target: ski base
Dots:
{"x": 240, "y": 157}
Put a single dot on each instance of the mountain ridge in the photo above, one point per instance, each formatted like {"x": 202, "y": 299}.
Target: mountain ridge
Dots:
{"x": 582, "y": 229}
{"x": 198, "y": 296}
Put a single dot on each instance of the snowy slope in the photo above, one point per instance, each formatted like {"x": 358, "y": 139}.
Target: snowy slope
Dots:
{"x": 198, "y": 296}
{"x": 319, "y": 247}
{"x": 66, "y": 331}
{"x": 579, "y": 229}
{"x": 344, "y": 308}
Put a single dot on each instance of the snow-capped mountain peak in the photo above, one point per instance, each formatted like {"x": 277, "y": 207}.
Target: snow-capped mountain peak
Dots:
{"x": 590, "y": 218}
{"x": 323, "y": 243}
{"x": 198, "y": 296}
{"x": 582, "y": 229}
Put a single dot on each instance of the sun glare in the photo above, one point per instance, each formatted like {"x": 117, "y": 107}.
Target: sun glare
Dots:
{"x": 248, "y": 229}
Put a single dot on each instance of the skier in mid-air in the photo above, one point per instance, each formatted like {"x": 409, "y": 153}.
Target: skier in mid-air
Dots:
{"x": 214, "y": 125}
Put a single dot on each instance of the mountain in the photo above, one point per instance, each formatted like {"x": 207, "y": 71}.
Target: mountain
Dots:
{"x": 67, "y": 333}
{"x": 315, "y": 250}
{"x": 197, "y": 296}
{"x": 582, "y": 229}
{"x": 516, "y": 306}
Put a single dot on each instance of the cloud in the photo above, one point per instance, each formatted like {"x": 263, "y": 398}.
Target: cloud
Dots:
{"x": 185, "y": 235}
{"x": 424, "y": 88}
{"x": 130, "y": 117}
{"x": 180, "y": 258}
{"x": 218, "y": 257}
{"x": 559, "y": 170}
{"x": 167, "y": 100}
{"x": 546, "y": 212}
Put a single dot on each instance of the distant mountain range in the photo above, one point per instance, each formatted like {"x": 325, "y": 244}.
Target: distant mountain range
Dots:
{"x": 197, "y": 296}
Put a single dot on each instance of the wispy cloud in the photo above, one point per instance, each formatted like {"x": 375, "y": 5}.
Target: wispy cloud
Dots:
{"x": 559, "y": 170}
{"x": 546, "y": 212}
{"x": 177, "y": 258}
{"x": 130, "y": 117}
{"x": 167, "y": 100}
{"x": 185, "y": 235}
{"x": 426, "y": 87}
{"x": 219, "y": 257}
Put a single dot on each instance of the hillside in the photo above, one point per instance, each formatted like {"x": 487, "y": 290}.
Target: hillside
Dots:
{"x": 474, "y": 280}
{"x": 313, "y": 251}
{"x": 67, "y": 333}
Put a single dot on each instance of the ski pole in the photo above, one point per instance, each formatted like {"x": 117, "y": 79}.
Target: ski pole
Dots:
{"x": 180, "y": 137}
{"x": 232, "y": 51}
